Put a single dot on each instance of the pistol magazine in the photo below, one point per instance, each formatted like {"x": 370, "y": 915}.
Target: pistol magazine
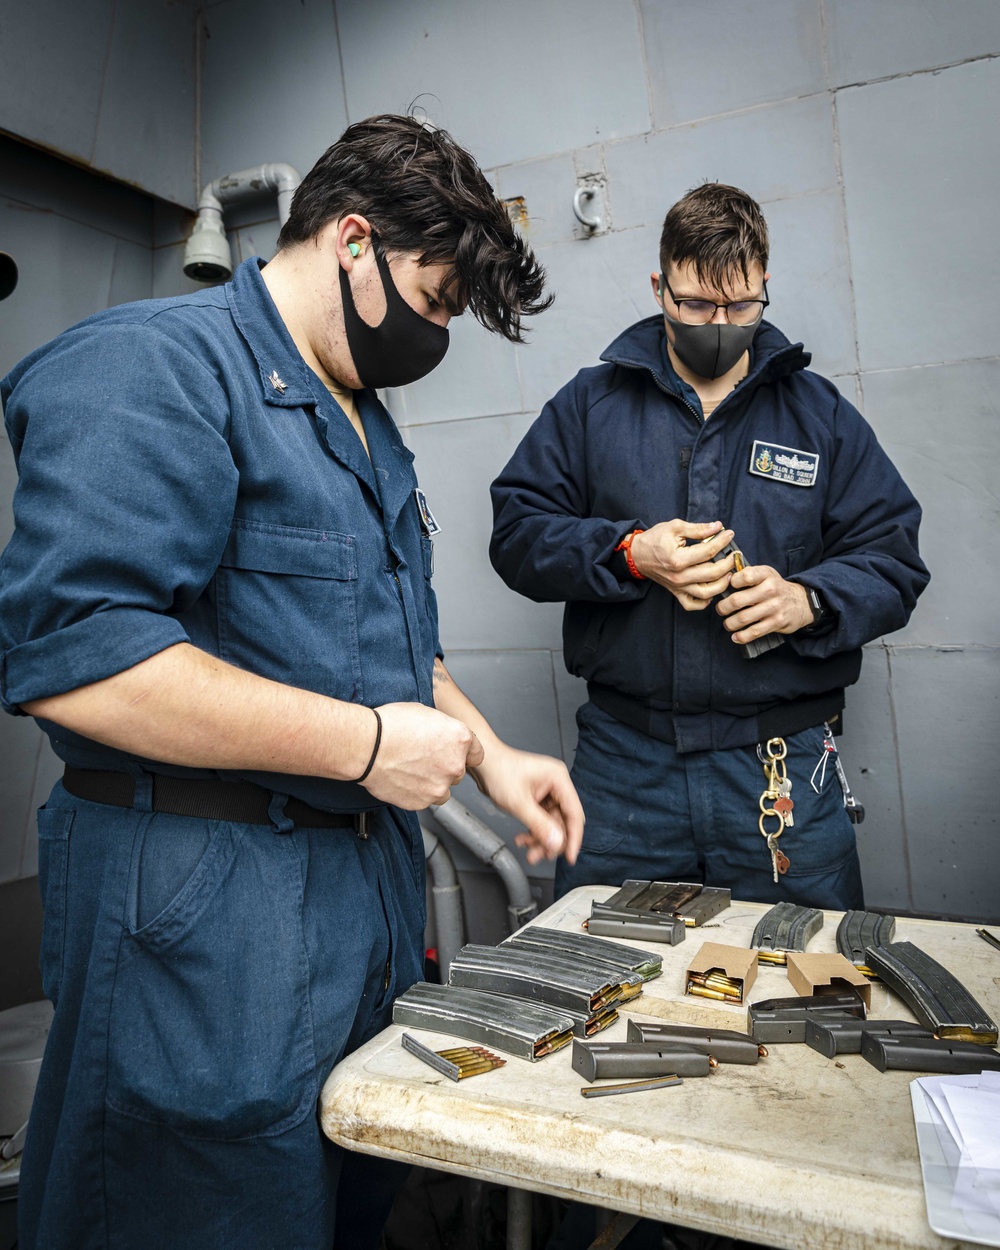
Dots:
{"x": 778, "y": 1020}
{"x": 594, "y": 949}
{"x": 786, "y": 927}
{"x": 832, "y": 1036}
{"x": 724, "y": 1045}
{"x": 635, "y": 926}
{"x": 927, "y": 1054}
{"x": 935, "y": 996}
{"x": 598, "y": 1061}
{"x": 858, "y": 931}
{"x": 525, "y": 1030}
{"x": 759, "y": 646}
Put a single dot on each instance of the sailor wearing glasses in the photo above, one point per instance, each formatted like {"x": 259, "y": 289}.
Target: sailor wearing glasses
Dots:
{"x": 701, "y": 431}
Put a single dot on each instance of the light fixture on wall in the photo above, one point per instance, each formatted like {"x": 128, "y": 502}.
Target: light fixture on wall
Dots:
{"x": 207, "y": 257}
{"x": 8, "y": 275}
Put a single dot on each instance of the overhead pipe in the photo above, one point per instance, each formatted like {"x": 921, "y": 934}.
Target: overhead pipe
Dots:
{"x": 207, "y": 256}
{"x": 491, "y": 849}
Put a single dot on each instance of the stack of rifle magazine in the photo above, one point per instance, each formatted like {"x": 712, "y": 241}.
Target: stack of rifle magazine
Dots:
{"x": 588, "y": 990}
{"x": 656, "y": 911}
{"x": 592, "y": 949}
{"x": 526, "y": 1030}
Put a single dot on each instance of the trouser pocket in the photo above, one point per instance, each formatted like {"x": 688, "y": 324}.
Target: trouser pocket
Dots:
{"x": 210, "y": 1029}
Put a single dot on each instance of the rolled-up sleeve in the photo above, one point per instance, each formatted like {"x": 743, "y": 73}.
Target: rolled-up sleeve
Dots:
{"x": 123, "y": 506}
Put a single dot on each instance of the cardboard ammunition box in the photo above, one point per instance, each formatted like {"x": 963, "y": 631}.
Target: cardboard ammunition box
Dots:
{"x": 735, "y": 962}
{"x": 826, "y": 974}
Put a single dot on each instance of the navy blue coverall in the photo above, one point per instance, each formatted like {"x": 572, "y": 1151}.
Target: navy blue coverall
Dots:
{"x": 185, "y": 477}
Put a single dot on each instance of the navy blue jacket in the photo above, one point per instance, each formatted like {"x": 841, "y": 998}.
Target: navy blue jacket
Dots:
{"x": 620, "y": 448}
{"x": 185, "y": 477}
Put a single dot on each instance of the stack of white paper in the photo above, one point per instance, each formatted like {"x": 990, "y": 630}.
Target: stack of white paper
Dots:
{"x": 958, "y": 1133}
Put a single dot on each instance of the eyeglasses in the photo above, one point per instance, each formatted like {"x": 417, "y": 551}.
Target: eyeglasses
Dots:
{"x": 699, "y": 312}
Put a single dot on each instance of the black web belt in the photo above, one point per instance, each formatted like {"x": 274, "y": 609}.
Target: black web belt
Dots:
{"x": 207, "y": 799}
{"x": 776, "y": 722}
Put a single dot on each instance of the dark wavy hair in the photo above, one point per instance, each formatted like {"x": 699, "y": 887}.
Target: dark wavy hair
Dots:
{"x": 424, "y": 193}
{"x": 720, "y": 229}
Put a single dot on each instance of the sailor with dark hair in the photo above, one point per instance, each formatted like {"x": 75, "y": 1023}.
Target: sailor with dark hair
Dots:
{"x": 217, "y": 602}
{"x": 703, "y": 427}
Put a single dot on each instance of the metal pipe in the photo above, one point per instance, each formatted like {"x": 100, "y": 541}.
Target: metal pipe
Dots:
{"x": 491, "y": 849}
{"x": 446, "y": 900}
{"x": 207, "y": 256}
{"x": 518, "y": 1219}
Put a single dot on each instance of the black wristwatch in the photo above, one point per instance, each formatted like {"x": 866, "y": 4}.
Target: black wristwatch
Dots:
{"x": 822, "y": 616}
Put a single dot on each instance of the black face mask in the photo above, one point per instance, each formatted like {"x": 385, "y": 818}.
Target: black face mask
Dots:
{"x": 713, "y": 349}
{"x": 403, "y": 347}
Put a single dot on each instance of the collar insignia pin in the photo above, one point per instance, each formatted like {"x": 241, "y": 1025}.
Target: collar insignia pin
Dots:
{"x": 277, "y": 383}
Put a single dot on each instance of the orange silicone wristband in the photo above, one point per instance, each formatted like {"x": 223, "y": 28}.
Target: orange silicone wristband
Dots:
{"x": 626, "y": 546}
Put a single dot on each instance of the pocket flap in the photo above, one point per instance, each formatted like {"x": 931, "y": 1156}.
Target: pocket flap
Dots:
{"x": 287, "y": 549}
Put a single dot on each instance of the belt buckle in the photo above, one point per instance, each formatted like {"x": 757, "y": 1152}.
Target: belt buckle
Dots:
{"x": 362, "y": 824}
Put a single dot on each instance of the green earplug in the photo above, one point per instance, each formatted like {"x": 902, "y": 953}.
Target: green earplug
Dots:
{"x": 354, "y": 249}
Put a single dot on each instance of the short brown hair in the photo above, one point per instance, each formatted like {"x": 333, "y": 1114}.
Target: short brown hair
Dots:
{"x": 720, "y": 229}
{"x": 424, "y": 193}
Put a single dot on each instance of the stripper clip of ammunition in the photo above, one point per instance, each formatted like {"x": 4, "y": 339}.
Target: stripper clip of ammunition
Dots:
{"x": 457, "y": 1063}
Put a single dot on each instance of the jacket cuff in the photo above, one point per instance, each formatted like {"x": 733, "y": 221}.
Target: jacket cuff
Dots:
{"x": 89, "y": 650}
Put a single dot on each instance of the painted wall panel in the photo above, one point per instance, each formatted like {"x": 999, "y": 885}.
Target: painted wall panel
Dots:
{"x": 779, "y": 55}
{"x": 924, "y": 256}
{"x": 601, "y": 287}
{"x": 510, "y": 81}
{"x": 867, "y": 752}
{"x": 773, "y": 153}
{"x": 869, "y": 41}
{"x": 131, "y": 273}
{"x": 109, "y": 85}
{"x": 45, "y": 47}
{"x": 19, "y": 748}
{"x": 547, "y": 188}
{"x": 147, "y": 124}
{"x": 455, "y": 463}
{"x": 941, "y": 426}
{"x": 64, "y": 275}
{"x": 947, "y": 714}
{"x": 810, "y": 287}
{"x": 50, "y": 185}
{"x": 272, "y": 88}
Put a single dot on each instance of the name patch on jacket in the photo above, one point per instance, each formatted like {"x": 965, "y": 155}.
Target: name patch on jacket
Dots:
{"x": 427, "y": 521}
{"x": 784, "y": 464}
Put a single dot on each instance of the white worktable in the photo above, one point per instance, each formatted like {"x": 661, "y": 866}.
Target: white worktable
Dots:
{"x": 797, "y": 1151}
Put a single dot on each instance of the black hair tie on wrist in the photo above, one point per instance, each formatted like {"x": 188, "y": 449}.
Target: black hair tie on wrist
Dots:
{"x": 378, "y": 743}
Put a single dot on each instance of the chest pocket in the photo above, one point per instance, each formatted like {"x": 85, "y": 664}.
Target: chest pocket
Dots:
{"x": 287, "y": 607}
